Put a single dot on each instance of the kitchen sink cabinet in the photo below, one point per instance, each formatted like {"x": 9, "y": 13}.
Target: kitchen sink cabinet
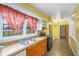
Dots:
{"x": 31, "y": 50}
{"x": 43, "y": 47}
{"x": 38, "y": 49}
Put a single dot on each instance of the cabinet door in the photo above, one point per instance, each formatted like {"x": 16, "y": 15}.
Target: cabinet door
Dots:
{"x": 31, "y": 50}
{"x": 37, "y": 49}
{"x": 40, "y": 48}
{"x": 43, "y": 47}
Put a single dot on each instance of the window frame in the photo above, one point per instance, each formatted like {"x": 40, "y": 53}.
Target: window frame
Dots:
{"x": 8, "y": 30}
{"x": 16, "y": 37}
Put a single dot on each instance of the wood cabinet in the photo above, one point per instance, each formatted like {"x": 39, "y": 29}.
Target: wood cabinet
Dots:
{"x": 38, "y": 49}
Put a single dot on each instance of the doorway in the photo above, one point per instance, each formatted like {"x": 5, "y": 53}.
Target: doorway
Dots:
{"x": 64, "y": 32}
{"x": 50, "y": 30}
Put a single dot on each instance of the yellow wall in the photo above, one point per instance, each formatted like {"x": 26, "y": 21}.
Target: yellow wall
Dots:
{"x": 64, "y": 22}
{"x": 56, "y": 27}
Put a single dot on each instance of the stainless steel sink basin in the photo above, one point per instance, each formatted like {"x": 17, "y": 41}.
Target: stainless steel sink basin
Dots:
{"x": 31, "y": 41}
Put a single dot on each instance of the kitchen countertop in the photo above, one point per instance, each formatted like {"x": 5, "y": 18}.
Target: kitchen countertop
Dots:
{"x": 16, "y": 48}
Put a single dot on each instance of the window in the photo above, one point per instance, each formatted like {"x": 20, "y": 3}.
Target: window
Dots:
{"x": 44, "y": 23}
{"x": 29, "y": 30}
{"x": 7, "y": 31}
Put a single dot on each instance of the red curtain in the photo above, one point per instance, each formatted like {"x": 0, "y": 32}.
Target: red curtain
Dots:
{"x": 20, "y": 20}
{"x": 32, "y": 23}
{"x": 5, "y": 14}
{"x": 12, "y": 15}
{"x": 14, "y": 19}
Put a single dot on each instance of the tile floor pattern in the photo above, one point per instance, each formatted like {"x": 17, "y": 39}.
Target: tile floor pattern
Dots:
{"x": 60, "y": 47}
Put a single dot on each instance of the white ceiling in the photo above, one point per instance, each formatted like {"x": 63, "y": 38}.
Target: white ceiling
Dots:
{"x": 65, "y": 9}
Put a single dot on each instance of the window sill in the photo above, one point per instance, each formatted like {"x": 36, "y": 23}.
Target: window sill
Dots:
{"x": 15, "y": 38}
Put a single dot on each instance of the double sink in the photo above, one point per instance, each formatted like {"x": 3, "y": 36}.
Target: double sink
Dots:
{"x": 21, "y": 43}
{"x": 28, "y": 42}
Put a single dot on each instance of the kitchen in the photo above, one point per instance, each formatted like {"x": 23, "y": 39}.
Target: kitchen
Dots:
{"x": 19, "y": 40}
{"x": 27, "y": 31}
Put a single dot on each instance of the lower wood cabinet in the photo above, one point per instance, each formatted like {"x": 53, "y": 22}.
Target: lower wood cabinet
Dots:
{"x": 38, "y": 49}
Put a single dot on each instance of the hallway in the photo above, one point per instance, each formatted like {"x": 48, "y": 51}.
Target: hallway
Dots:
{"x": 60, "y": 48}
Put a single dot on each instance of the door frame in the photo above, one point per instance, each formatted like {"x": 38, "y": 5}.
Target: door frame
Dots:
{"x": 66, "y": 31}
